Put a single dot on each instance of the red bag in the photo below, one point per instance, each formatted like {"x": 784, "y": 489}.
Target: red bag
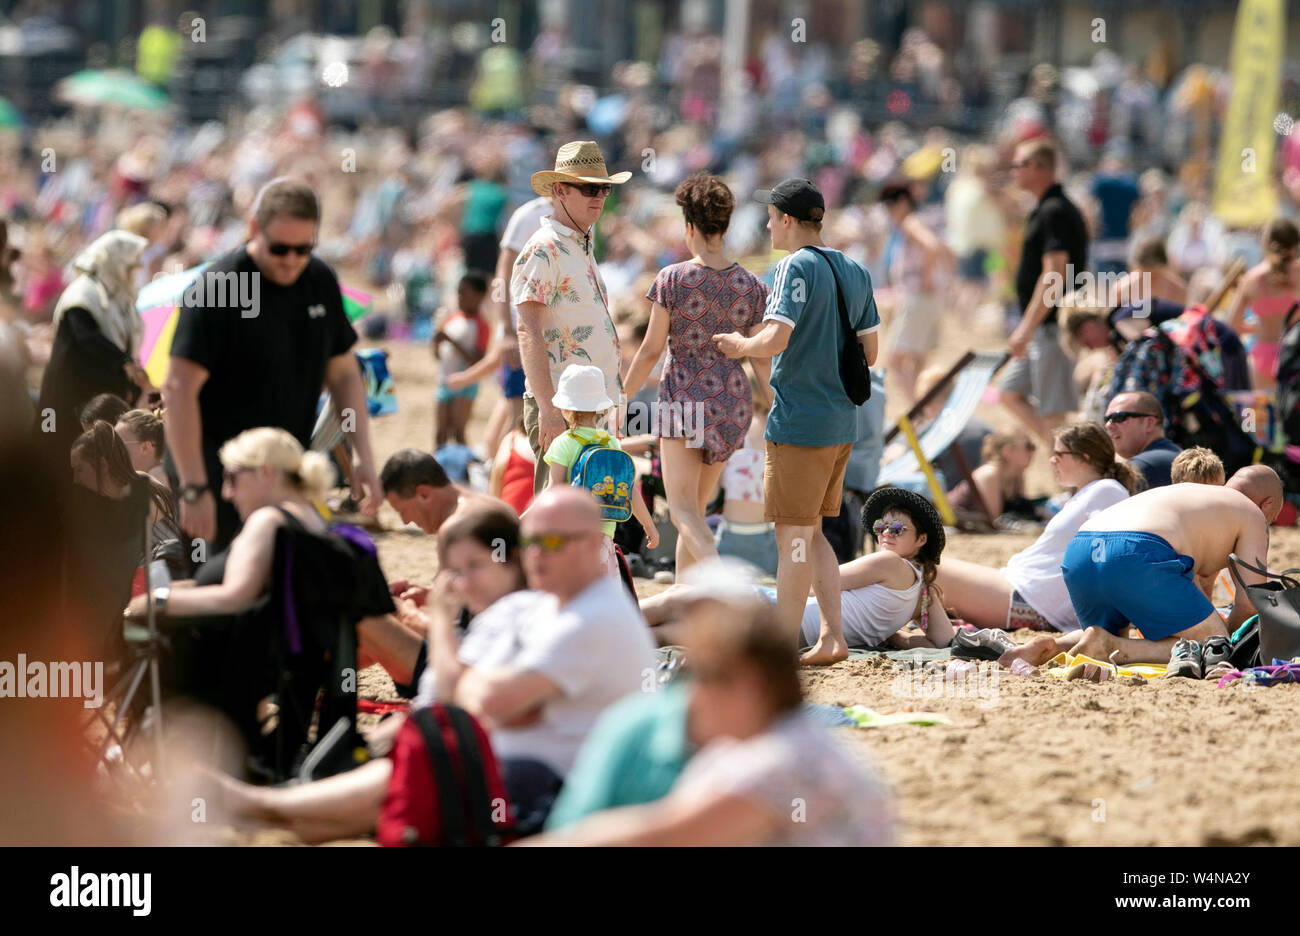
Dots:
{"x": 446, "y": 786}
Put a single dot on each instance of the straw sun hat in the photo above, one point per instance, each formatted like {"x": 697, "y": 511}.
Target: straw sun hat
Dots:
{"x": 577, "y": 162}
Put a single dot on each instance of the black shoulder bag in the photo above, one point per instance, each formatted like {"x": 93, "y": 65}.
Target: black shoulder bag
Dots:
{"x": 854, "y": 371}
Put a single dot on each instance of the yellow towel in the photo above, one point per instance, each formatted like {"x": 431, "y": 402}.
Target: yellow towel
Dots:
{"x": 1061, "y": 664}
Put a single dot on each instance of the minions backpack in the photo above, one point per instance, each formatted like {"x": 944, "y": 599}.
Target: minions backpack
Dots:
{"x": 609, "y": 474}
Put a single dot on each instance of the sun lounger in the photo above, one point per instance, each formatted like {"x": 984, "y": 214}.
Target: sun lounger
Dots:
{"x": 964, "y": 384}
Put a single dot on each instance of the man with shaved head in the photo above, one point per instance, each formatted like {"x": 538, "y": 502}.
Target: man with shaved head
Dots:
{"x": 1135, "y": 422}
{"x": 538, "y": 680}
{"x": 1139, "y": 561}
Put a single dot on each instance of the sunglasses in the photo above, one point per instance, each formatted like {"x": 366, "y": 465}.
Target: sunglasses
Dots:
{"x": 895, "y": 527}
{"x": 277, "y": 249}
{"x": 1060, "y": 452}
{"x": 1022, "y": 164}
{"x": 1122, "y": 417}
{"x": 591, "y": 190}
{"x": 229, "y": 475}
{"x": 549, "y": 542}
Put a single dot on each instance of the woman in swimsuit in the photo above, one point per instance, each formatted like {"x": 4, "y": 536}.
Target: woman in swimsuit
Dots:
{"x": 1269, "y": 288}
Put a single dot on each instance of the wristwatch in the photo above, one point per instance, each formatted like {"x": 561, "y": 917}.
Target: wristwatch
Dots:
{"x": 160, "y": 596}
{"x": 192, "y": 492}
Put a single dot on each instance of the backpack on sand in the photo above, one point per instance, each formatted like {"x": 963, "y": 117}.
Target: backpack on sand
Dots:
{"x": 446, "y": 786}
{"x": 609, "y": 474}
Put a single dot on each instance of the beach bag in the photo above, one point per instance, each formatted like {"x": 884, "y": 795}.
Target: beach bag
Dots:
{"x": 609, "y": 474}
{"x": 1277, "y": 601}
{"x": 855, "y": 373}
{"x": 1288, "y": 378}
{"x": 446, "y": 786}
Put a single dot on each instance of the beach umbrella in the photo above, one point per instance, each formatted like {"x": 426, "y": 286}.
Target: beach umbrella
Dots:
{"x": 9, "y": 116}
{"x": 158, "y": 303}
{"x": 112, "y": 86}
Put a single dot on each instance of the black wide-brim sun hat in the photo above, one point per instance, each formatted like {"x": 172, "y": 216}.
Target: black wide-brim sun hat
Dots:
{"x": 917, "y": 507}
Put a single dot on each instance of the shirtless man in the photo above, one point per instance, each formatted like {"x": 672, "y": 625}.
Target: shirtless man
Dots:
{"x": 1139, "y": 562}
{"x": 414, "y": 485}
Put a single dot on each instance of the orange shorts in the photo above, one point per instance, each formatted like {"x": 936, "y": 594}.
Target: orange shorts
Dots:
{"x": 802, "y": 483}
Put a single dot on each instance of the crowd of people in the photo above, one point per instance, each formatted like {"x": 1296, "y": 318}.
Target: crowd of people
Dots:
{"x": 665, "y": 367}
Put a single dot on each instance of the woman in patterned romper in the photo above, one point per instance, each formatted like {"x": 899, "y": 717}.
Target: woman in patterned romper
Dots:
{"x": 704, "y": 407}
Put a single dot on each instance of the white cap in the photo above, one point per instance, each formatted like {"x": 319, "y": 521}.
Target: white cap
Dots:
{"x": 582, "y": 390}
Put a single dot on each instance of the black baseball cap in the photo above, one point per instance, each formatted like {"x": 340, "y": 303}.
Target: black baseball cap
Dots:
{"x": 799, "y": 198}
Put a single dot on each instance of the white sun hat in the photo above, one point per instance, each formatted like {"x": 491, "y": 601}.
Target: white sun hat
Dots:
{"x": 582, "y": 390}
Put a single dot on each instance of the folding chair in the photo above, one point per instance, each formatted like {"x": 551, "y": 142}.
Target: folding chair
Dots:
{"x": 143, "y": 645}
{"x": 968, "y": 378}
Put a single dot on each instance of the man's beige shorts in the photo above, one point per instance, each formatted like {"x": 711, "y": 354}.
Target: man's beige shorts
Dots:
{"x": 802, "y": 483}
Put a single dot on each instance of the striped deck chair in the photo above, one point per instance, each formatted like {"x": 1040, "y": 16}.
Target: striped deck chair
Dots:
{"x": 964, "y": 384}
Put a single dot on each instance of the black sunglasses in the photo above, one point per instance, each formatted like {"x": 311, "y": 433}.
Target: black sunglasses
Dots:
{"x": 229, "y": 475}
{"x": 591, "y": 190}
{"x": 279, "y": 250}
{"x": 1122, "y": 417}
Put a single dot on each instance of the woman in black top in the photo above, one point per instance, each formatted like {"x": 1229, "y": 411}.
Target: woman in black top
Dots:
{"x": 111, "y": 503}
{"x": 234, "y": 611}
{"x": 97, "y": 335}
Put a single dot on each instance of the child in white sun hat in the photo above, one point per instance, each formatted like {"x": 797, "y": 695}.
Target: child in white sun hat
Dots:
{"x": 574, "y": 457}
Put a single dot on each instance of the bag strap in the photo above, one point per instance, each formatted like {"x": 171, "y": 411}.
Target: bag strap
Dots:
{"x": 839, "y": 293}
{"x": 1283, "y": 577}
{"x": 449, "y": 791}
{"x": 1290, "y": 314}
{"x": 471, "y": 756}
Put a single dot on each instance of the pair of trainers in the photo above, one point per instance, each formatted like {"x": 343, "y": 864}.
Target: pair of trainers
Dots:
{"x": 1200, "y": 659}
{"x": 986, "y": 644}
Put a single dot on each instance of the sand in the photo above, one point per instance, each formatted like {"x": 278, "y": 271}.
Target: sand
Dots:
{"x": 1037, "y": 761}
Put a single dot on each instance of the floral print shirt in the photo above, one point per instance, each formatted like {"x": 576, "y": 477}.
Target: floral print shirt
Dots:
{"x": 555, "y": 270}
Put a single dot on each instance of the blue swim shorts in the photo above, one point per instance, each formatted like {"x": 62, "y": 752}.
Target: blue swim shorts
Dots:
{"x": 511, "y": 380}
{"x": 446, "y": 394}
{"x": 1115, "y": 579}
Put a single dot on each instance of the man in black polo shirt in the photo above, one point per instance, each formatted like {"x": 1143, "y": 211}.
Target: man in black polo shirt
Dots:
{"x": 1055, "y": 250}
{"x": 259, "y": 335}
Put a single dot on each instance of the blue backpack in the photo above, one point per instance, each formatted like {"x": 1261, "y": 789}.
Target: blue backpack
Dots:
{"x": 609, "y": 474}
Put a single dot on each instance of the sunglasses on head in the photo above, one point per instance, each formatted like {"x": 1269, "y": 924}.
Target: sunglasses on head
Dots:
{"x": 277, "y": 249}
{"x": 1121, "y": 417}
{"x": 895, "y": 527}
{"x": 549, "y": 542}
{"x": 591, "y": 189}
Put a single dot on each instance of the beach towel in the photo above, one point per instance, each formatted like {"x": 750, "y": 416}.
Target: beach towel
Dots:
{"x": 1279, "y": 672}
{"x": 1061, "y": 664}
{"x": 864, "y": 717}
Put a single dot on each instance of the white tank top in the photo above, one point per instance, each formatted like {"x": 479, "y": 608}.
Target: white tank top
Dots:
{"x": 869, "y": 615}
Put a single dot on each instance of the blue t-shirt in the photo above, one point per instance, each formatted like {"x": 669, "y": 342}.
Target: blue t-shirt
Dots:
{"x": 1155, "y": 462}
{"x": 1116, "y": 194}
{"x": 811, "y": 407}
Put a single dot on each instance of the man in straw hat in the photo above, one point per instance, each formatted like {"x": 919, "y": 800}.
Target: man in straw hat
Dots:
{"x": 563, "y": 308}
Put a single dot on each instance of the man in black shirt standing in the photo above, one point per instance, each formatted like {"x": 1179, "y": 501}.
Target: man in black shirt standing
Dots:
{"x": 260, "y": 333}
{"x": 1055, "y": 251}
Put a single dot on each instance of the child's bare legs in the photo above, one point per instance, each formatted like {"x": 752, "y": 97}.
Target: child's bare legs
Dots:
{"x": 442, "y": 425}
{"x": 461, "y": 410}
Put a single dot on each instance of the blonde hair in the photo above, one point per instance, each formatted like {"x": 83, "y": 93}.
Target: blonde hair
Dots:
{"x": 995, "y": 442}
{"x": 1197, "y": 465}
{"x": 140, "y": 219}
{"x": 309, "y": 472}
{"x": 571, "y": 417}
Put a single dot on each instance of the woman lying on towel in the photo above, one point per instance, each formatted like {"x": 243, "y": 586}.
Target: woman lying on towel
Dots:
{"x": 1029, "y": 591}
{"x": 273, "y": 483}
{"x": 881, "y": 592}
{"x": 346, "y": 805}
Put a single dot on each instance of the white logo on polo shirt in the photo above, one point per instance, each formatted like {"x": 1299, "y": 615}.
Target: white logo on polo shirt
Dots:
{"x": 316, "y": 311}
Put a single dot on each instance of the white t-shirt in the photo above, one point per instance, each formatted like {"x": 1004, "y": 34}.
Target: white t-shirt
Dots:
{"x": 596, "y": 648}
{"x": 1036, "y": 572}
{"x": 523, "y": 224}
{"x": 798, "y": 773}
